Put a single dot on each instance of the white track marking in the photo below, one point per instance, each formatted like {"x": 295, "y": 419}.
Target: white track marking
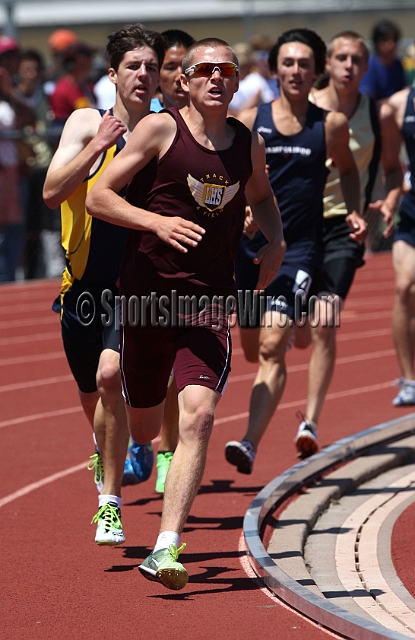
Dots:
{"x": 23, "y": 308}
{"x": 33, "y": 337}
{"x": 41, "y": 483}
{"x": 387, "y": 353}
{"x": 246, "y": 566}
{"x": 40, "y": 416}
{"x": 231, "y": 418}
{"x": 299, "y": 403}
{"x": 28, "y": 322}
{"x": 352, "y": 539}
{"x": 35, "y": 383}
{"x": 37, "y": 357}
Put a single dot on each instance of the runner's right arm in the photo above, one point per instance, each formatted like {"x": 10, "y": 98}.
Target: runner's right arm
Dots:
{"x": 86, "y": 135}
{"x": 149, "y": 139}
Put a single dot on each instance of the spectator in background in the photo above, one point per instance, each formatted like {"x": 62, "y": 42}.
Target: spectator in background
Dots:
{"x": 104, "y": 90}
{"x": 261, "y": 46}
{"x": 408, "y": 63}
{"x": 11, "y": 214}
{"x": 385, "y": 74}
{"x": 58, "y": 42}
{"x": 74, "y": 90}
{"x": 43, "y": 255}
{"x": 253, "y": 87}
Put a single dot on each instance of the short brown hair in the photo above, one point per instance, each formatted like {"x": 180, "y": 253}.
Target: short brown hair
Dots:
{"x": 349, "y": 35}
{"x": 215, "y": 43}
{"x": 132, "y": 37}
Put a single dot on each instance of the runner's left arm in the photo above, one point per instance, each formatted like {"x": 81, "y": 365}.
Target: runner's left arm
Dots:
{"x": 266, "y": 214}
{"x": 337, "y": 141}
{"x": 391, "y": 166}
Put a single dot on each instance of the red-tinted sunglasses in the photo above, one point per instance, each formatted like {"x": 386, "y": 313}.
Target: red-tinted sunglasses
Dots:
{"x": 207, "y": 69}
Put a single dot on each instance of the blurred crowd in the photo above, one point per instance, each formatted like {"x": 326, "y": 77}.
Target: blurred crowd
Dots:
{"x": 36, "y": 99}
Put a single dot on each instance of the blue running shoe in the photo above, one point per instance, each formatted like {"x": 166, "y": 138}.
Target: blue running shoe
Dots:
{"x": 138, "y": 463}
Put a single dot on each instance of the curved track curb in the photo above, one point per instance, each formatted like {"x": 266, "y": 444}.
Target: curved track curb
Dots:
{"x": 277, "y": 491}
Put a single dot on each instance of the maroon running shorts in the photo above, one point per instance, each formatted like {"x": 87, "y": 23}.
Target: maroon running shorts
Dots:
{"x": 199, "y": 356}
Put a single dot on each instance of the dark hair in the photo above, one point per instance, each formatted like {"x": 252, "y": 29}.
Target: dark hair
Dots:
{"x": 385, "y": 28}
{"x": 215, "y": 43}
{"x": 305, "y": 36}
{"x": 34, "y": 56}
{"x": 177, "y": 38}
{"x": 131, "y": 37}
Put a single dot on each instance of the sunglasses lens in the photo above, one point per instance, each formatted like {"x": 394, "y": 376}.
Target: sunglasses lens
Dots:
{"x": 228, "y": 69}
{"x": 203, "y": 69}
{"x": 208, "y": 68}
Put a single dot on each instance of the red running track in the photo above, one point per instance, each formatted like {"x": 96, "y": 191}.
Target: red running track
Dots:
{"x": 56, "y": 583}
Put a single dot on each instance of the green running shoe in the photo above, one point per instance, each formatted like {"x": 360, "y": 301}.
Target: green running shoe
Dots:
{"x": 162, "y": 566}
{"x": 98, "y": 468}
{"x": 109, "y": 529}
{"x": 162, "y": 465}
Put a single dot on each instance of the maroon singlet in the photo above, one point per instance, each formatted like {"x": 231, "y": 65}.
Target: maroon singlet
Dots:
{"x": 204, "y": 186}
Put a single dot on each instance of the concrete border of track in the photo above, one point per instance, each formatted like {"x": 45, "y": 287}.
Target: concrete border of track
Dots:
{"x": 277, "y": 491}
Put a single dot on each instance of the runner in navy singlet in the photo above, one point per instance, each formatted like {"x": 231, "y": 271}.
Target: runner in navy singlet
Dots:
{"x": 198, "y": 166}
{"x": 90, "y": 141}
{"x": 347, "y": 61}
{"x": 403, "y": 252}
{"x": 298, "y": 138}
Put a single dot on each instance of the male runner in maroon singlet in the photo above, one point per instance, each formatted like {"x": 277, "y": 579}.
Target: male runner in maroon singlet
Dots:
{"x": 199, "y": 167}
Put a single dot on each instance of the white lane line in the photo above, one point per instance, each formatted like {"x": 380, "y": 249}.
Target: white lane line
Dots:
{"x": 40, "y": 416}
{"x": 246, "y": 567}
{"x": 298, "y": 403}
{"x": 389, "y": 610}
{"x": 231, "y": 418}
{"x": 31, "y": 337}
{"x": 41, "y": 483}
{"x": 24, "y": 308}
{"x": 368, "y": 559}
{"x": 29, "y": 322}
{"x": 388, "y": 284}
{"x": 236, "y": 351}
{"x": 359, "y": 335}
{"x": 354, "y": 315}
{"x": 27, "y": 285}
{"x": 247, "y": 376}
{"x": 35, "y": 383}
{"x": 387, "y": 353}
{"x": 341, "y": 337}
{"x": 37, "y": 357}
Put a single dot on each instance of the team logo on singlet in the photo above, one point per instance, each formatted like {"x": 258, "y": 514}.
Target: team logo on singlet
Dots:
{"x": 212, "y": 196}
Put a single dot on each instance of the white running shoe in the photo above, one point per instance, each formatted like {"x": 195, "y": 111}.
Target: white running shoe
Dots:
{"x": 406, "y": 394}
{"x": 109, "y": 525}
{"x": 306, "y": 438}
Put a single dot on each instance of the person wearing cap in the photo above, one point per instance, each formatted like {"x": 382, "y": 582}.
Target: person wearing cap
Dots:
{"x": 60, "y": 40}
{"x": 9, "y": 54}
{"x": 74, "y": 91}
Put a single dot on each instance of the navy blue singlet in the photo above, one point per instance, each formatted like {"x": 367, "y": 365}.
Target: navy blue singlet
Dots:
{"x": 406, "y": 225}
{"x": 408, "y": 133}
{"x": 297, "y": 174}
